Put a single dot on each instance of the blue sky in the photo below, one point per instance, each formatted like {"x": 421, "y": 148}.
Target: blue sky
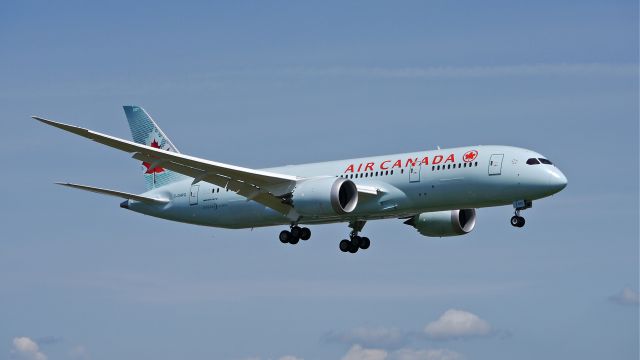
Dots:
{"x": 262, "y": 84}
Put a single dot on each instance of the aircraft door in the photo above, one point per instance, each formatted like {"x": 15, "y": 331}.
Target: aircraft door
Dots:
{"x": 495, "y": 164}
{"x": 414, "y": 173}
{"x": 193, "y": 197}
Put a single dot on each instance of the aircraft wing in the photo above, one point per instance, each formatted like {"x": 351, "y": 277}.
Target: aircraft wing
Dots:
{"x": 263, "y": 187}
{"x": 120, "y": 194}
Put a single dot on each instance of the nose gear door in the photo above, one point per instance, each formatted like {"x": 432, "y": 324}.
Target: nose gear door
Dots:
{"x": 495, "y": 164}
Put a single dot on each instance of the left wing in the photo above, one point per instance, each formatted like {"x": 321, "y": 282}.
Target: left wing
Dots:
{"x": 263, "y": 187}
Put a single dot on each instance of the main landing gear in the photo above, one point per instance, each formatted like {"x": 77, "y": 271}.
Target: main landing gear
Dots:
{"x": 296, "y": 234}
{"x": 355, "y": 242}
{"x": 517, "y": 220}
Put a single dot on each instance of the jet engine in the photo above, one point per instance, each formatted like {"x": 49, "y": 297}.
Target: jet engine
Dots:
{"x": 325, "y": 197}
{"x": 444, "y": 223}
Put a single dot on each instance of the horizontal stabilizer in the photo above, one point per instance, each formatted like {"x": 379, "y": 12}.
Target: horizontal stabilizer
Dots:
{"x": 120, "y": 194}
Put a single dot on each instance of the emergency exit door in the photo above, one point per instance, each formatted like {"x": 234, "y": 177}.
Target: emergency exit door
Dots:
{"x": 193, "y": 197}
{"x": 414, "y": 173}
{"x": 495, "y": 164}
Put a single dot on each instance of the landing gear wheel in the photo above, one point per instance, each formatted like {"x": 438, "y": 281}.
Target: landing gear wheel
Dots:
{"x": 285, "y": 236}
{"x": 296, "y": 231}
{"x": 345, "y": 245}
{"x": 365, "y": 243}
{"x": 294, "y": 240}
{"x": 356, "y": 241}
{"x": 353, "y": 248}
{"x": 305, "y": 233}
{"x": 517, "y": 221}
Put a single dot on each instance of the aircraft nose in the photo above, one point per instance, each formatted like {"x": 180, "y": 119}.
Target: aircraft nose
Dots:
{"x": 557, "y": 180}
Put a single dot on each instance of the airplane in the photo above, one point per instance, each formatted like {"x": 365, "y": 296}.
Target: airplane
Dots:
{"x": 437, "y": 192}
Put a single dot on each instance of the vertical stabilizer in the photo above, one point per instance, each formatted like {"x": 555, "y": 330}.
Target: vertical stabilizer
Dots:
{"x": 145, "y": 131}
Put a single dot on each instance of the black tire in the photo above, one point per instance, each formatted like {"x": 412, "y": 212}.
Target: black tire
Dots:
{"x": 353, "y": 248}
{"x": 521, "y": 221}
{"x": 294, "y": 240}
{"x": 285, "y": 236}
{"x": 296, "y": 231}
{"x": 356, "y": 241}
{"x": 515, "y": 221}
{"x": 305, "y": 233}
{"x": 344, "y": 245}
{"x": 365, "y": 243}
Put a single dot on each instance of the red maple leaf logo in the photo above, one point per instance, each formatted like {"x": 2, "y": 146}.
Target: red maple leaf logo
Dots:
{"x": 157, "y": 169}
{"x": 470, "y": 155}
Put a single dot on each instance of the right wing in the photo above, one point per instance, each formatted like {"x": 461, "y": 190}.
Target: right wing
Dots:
{"x": 267, "y": 188}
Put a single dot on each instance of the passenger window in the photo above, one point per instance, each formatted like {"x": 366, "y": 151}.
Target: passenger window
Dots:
{"x": 438, "y": 167}
{"x": 386, "y": 172}
{"x": 376, "y": 173}
{"x": 533, "y": 161}
{"x": 476, "y": 163}
{"x": 433, "y": 168}
{"x": 449, "y": 166}
{"x": 545, "y": 161}
{"x": 391, "y": 172}
{"x": 366, "y": 175}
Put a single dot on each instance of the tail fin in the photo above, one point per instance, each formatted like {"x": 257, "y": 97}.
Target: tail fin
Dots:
{"x": 145, "y": 131}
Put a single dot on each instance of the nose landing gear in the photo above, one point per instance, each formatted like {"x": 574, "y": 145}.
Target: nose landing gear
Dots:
{"x": 517, "y": 220}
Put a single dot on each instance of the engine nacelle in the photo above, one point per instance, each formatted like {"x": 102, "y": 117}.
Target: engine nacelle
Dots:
{"x": 444, "y": 223}
{"x": 325, "y": 197}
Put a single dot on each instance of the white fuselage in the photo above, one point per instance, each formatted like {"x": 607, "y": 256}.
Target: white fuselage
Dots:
{"x": 407, "y": 184}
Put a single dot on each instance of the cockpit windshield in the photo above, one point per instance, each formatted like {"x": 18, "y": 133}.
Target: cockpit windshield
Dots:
{"x": 545, "y": 161}
{"x": 533, "y": 161}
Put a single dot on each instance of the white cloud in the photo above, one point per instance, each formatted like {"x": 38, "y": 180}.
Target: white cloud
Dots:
{"x": 370, "y": 336}
{"x": 457, "y": 323}
{"x": 626, "y": 296}
{"x": 427, "y": 354}
{"x": 357, "y": 352}
{"x": 26, "y": 349}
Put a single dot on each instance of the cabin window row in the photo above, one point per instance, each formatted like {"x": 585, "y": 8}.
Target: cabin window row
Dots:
{"x": 367, "y": 174}
{"x": 217, "y": 190}
{"x": 453, "y": 166}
